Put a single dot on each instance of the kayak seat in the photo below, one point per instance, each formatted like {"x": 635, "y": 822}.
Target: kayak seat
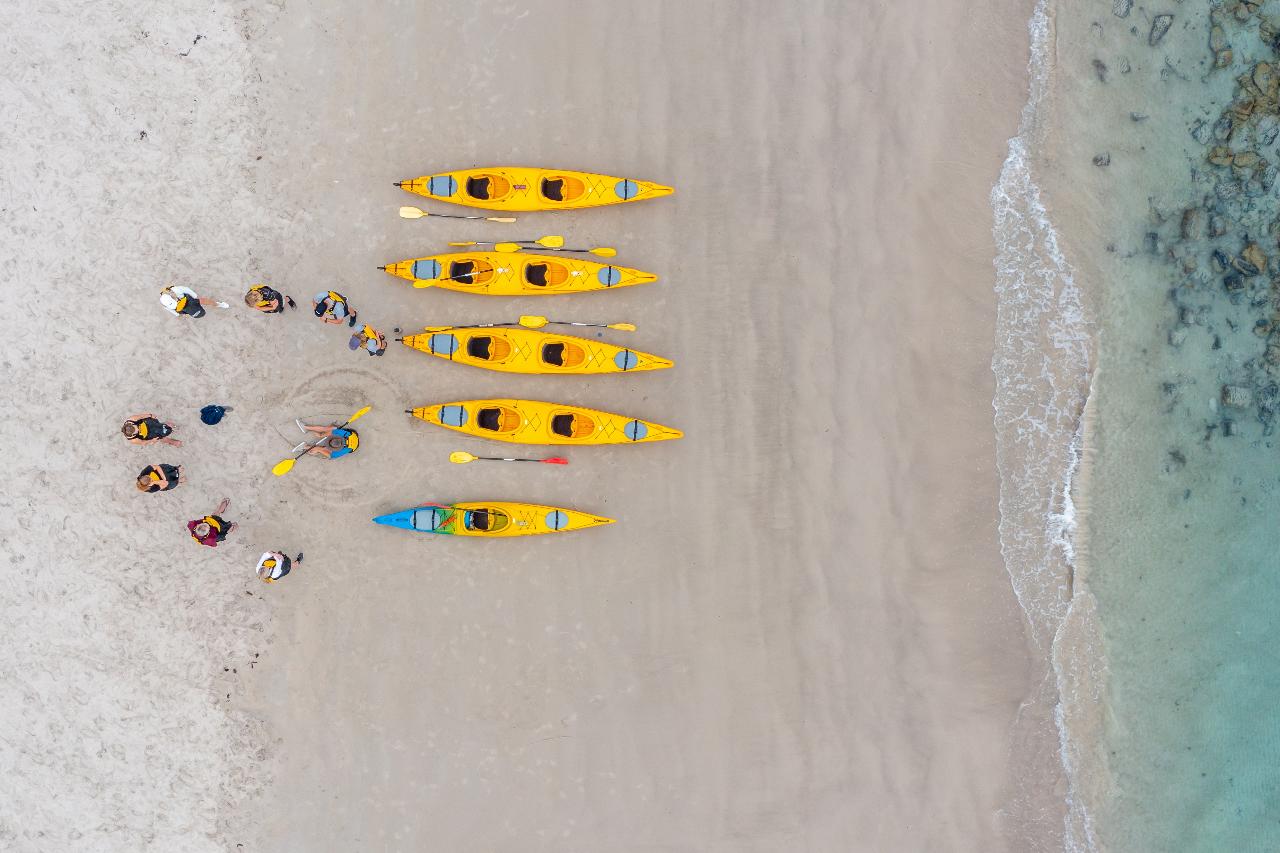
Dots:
{"x": 487, "y": 520}
{"x": 478, "y": 347}
{"x": 562, "y": 188}
{"x": 553, "y": 354}
{"x": 487, "y": 187}
{"x": 563, "y": 354}
{"x": 469, "y": 272}
{"x": 546, "y": 275}
{"x": 572, "y": 426}
{"x": 497, "y": 419}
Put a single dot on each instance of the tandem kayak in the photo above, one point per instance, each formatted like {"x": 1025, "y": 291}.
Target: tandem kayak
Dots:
{"x": 514, "y": 273}
{"x": 517, "y": 350}
{"x": 533, "y": 422}
{"x": 527, "y": 188}
{"x": 490, "y": 518}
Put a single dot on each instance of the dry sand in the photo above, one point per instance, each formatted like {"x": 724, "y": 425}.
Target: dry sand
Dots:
{"x": 799, "y": 636}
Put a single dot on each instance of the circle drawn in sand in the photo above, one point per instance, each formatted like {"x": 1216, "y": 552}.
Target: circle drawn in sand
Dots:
{"x": 345, "y": 390}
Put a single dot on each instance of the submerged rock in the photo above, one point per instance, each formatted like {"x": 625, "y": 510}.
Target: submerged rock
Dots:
{"x": 1252, "y": 260}
{"x": 1121, "y": 8}
{"x": 1266, "y": 130}
{"x": 1159, "y": 26}
{"x": 1218, "y": 39}
{"x": 1192, "y": 223}
{"x": 1223, "y": 128}
{"x": 1202, "y": 132}
{"x": 1103, "y": 159}
{"x": 1220, "y": 155}
{"x": 1223, "y": 58}
{"x": 1234, "y": 283}
{"x": 1237, "y": 396}
{"x": 1100, "y": 68}
{"x": 1217, "y": 225}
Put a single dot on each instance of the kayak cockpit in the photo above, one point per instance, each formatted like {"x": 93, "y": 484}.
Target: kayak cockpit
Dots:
{"x": 563, "y": 354}
{"x": 546, "y": 274}
{"x": 430, "y": 519}
{"x": 488, "y": 187}
{"x": 572, "y": 425}
{"x": 487, "y": 520}
{"x": 488, "y": 348}
{"x": 498, "y": 419}
{"x": 562, "y": 188}
{"x": 470, "y": 272}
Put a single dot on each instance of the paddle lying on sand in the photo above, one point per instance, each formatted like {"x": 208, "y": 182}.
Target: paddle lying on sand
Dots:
{"x": 462, "y": 457}
{"x": 602, "y": 251}
{"x": 551, "y": 241}
{"x": 284, "y": 466}
{"x": 418, "y": 213}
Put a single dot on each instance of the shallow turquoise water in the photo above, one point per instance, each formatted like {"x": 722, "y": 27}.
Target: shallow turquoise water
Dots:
{"x": 1179, "y": 543}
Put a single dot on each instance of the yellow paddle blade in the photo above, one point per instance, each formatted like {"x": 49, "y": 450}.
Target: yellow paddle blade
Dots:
{"x": 501, "y": 218}
{"x": 604, "y": 251}
{"x": 284, "y": 466}
{"x": 551, "y": 241}
{"x": 411, "y": 213}
{"x": 360, "y": 414}
{"x": 461, "y": 457}
{"x": 507, "y": 247}
{"x": 529, "y": 321}
{"x": 468, "y": 243}
{"x": 623, "y": 327}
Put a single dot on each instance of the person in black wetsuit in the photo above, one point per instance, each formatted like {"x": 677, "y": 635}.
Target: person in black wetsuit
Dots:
{"x": 160, "y": 478}
{"x": 148, "y": 429}
{"x": 268, "y": 300}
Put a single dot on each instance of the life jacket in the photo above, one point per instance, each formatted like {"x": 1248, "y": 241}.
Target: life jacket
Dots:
{"x": 215, "y": 527}
{"x": 352, "y": 439}
{"x": 144, "y": 428}
{"x": 261, "y": 290}
{"x": 173, "y": 300}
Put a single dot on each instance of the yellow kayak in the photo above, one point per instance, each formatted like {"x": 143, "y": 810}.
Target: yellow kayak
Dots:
{"x": 490, "y": 519}
{"x": 514, "y": 274}
{"x": 517, "y": 350}
{"x": 528, "y": 188}
{"x": 532, "y": 422}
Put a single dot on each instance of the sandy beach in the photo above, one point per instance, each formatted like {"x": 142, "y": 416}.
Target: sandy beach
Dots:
{"x": 799, "y": 636}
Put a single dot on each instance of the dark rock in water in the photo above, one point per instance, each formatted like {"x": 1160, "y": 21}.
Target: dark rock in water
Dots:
{"x": 1217, "y": 225}
{"x": 1220, "y": 261}
{"x": 1223, "y": 58}
{"x": 1100, "y": 68}
{"x": 1252, "y": 258}
{"x": 1201, "y": 131}
{"x": 1218, "y": 39}
{"x": 1237, "y": 396}
{"x": 1234, "y": 283}
{"x": 1178, "y": 336}
{"x": 1138, "y": 117}
{"x": 1272, "y": 356}
{"x": 1192, "y": 223}
{"x": 1228, "y": 428}
{"x": 1103, "y": 159}
{"x": 1220, "y": 155}
{"x": 1120, "y": 8}
{"x": 1177, "y": 461}
{"x": 1151, "y": 243}
{"x": 1186, "y": 316}
{"x": 1269, "y": 30}
{"x": 1262, "y": 328}
{"x": 1223, "y": 128}
{"x": 1159, "y": 26}
{"x": 1246, "y": 160}
{"x": 1266, "y": 130}
{"x": 1268, "y": 179}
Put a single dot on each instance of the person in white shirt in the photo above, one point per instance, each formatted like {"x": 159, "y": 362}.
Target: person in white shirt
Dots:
{"x": 275, "y": 565}
{"x": 179, "y": 300}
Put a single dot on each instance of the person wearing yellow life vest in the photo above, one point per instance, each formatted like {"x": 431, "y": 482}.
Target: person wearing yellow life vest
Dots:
{"x": 160, "y": 478}
{"x": 273, "y": 565}
{"x": 179, "y": 301}
{"x": 332, "y": 307}
{"x": 147, "y": 429}
{"x": 268, "y": 300}
{"x": 370, "y": 340}
{"x": 336, "y": 441}
{"x": 212, "y": 529}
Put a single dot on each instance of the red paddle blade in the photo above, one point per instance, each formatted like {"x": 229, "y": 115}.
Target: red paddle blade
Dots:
{"x": 555, "y": 460}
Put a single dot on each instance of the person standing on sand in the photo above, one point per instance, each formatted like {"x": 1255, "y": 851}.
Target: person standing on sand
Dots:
{"x": 212, "y": 529}
{"x": 268, "y": 300}
{"x": 275, "y": 565}
{"x": 147, "y": 429}
{"x": 160, "y": 478}
{"x": 333, "y": 308}
{"x": 179, "y": 300}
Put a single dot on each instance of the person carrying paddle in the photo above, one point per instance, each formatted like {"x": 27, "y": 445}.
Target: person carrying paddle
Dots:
{"x": 180, "y": 301}
{"x": 212, "y": 529}
{"x": 336, "y": 441}
{"x": 333, "y": 308}
{"x": 370, "y": 340}
{"x": 274, "y": 565}
{"x": 160, "y": 478}
{"x": 268, "y": 300}
{"x": 148, "y": 429}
